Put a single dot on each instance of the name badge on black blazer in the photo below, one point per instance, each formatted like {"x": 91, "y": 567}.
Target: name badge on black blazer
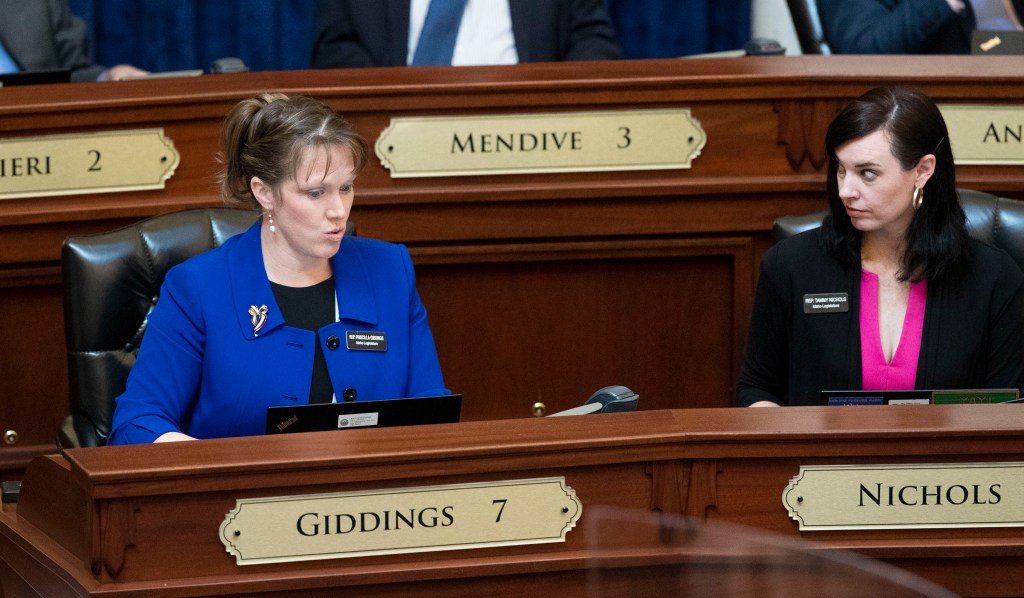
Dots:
{"x": 366, "y": 341}
{"x": 826, "y": 303}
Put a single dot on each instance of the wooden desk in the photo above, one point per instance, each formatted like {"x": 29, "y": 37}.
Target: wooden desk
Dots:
{"x": 540, "y": 288}
{"x": 117, "y": 520}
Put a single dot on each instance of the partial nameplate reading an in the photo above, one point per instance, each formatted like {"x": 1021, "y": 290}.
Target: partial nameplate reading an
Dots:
{"x": 400, "y": 520}
{"x": 540, "y": 143}
{"x": 985, "y": 134}
{"x": 939, "y": 495}
{"x": 86, "y": 163}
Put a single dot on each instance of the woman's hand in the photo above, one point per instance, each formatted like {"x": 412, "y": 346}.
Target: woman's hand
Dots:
{"x": 173, "y": 437}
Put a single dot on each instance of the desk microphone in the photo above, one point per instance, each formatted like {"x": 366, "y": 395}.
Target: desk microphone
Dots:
{"x": 610, "y": 399}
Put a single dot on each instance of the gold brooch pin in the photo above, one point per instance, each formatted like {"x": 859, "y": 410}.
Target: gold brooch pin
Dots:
{"x": 258, "y": 317}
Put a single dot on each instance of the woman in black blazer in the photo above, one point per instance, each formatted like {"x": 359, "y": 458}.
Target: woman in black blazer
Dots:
{"x": 890, "y": 292}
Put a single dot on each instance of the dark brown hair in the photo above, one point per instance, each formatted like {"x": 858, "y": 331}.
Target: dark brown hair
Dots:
{"x": 936, "y": 241}
{"x": 265, "y": 137}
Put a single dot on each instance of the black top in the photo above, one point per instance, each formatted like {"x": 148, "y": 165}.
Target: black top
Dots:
{"x": 971, "y": 336}
{"x": 310, "y": 308}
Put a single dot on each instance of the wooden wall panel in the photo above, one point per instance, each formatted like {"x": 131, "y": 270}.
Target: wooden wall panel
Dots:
{"x": 551, "y": 323}
{"x": 687, "y": 241}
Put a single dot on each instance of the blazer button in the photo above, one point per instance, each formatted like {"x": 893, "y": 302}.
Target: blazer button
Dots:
{"x": 349, "y": 394}
{"x": 333, "y": 342}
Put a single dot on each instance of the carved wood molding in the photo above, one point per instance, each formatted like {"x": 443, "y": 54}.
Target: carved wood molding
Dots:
{"x": 117, "y": 525}
{"x": 687, "y": 487}
{"x": 802, "y": 126}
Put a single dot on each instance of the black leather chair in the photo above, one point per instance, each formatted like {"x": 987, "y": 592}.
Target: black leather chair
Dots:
{"x": 808, "y": 26}
{"x": 997, "y": 220}
{"x": 111, "y": 283}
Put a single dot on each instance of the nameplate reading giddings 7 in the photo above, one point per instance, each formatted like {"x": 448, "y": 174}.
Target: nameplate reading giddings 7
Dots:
{"x": 400, "y": 520}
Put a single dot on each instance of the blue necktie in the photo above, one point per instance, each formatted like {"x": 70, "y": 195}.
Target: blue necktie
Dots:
{"x": 7, "y": 64}
{"x": 440, "y": 28}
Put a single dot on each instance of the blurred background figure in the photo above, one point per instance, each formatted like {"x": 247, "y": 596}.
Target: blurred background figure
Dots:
{"x": 278, "y": 34}
{"x": 43, "y": 35}
{"x": 355, "y": 33}
{"x": 913, "y": 26}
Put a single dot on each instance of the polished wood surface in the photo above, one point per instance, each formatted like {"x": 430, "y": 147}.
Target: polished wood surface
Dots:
{"x": 540, "y": 288}
{"x": 117, "y": 520}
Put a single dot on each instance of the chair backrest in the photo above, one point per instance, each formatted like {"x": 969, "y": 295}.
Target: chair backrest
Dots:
{"x": 997, "y": 220}
{"x": 111, "y": 283}
{"x": 808, "y": 26}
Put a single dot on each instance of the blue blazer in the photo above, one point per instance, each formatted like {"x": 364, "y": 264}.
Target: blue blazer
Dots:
{"x": 209, "y": 369}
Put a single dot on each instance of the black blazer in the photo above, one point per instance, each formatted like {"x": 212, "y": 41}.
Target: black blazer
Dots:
{"x": 898, "y": 26}
{"x": 973, "y": 334}
{"x": 43, "y": 35}
{"x": 361, "y": 33}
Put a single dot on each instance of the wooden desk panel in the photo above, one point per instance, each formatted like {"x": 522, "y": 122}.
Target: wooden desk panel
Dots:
{"x": 117, "y": 520}
{"x": 686, "y": 241}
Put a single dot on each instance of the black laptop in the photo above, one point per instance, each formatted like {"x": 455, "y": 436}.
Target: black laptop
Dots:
{"x": 1005, "y": 43}
{"x": 319, "y": 417}
{"x": 35, "y": 78}
{"x": 920, "y": 397}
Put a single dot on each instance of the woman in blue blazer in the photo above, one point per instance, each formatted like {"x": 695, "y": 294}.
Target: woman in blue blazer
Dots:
{"x": 292, "y": 310}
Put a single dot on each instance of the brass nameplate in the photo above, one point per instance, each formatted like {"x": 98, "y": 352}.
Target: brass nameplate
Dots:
{"x": 86, "y": 163}
{"x": 540, "y": 143}
{"x": 861, "y": 497}
{"x": 400, "y": 520}
{"x": 985, "y": 134}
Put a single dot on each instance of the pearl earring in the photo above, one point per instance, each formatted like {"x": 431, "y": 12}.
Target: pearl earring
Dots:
{"x": 270, "y": 221}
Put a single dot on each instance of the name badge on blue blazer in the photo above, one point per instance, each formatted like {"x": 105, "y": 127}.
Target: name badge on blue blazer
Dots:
{"x": 356, "y": 340}
{"x": 826, "y": 303}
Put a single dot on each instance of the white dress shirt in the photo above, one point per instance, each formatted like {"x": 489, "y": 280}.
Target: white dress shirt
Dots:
{"x": 485, "y": 34}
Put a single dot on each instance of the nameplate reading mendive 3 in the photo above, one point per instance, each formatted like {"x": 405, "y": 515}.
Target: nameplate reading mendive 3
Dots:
{"x": 539, "y": 143}
{"x": 942, "y": 495}
{"x": 86, "y": 163}
{"x": 400, "y": 520}
{"x": 985, "y": 134}
{"x": 826, "y": 303}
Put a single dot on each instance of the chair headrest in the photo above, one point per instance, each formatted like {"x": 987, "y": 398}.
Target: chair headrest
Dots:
{"x": 993, "y": 219}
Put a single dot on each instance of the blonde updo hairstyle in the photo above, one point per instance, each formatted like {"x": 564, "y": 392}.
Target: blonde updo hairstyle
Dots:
{"x": 266, "y": 137}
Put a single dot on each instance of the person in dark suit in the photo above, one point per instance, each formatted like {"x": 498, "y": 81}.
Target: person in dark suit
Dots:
{"x": 355, "y": 33}
{"x": 43, "y": 35}
{"x": 280, "y": 314}
{"x": 912, "y": 26}
{"x": 890, "y": 292}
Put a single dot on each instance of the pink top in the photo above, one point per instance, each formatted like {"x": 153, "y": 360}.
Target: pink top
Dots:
{"x": 901, "y": 372}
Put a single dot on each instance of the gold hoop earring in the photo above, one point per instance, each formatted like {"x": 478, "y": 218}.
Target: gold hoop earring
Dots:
{"x": 270, "y": 221}
{"x": 918, "y": 197}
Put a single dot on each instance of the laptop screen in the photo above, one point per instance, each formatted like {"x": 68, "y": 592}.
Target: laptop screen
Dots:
{"x": 923, "y": 397}
{"x": 35, "y": 78}
{"x": 319, "y": 417}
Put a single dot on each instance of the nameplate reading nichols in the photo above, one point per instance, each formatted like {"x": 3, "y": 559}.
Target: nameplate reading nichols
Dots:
{"x": 940, "y": 495}
{"x": 540, "y": 143}
{"x": 400, "y": 520}
{"x": 86, "y": 163}
{"x": 985, "y": 134}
